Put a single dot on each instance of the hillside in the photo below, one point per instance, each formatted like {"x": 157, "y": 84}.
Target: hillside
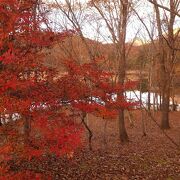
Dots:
{"x": 149, "y": 157}
{"x": 74, "y": 48}
{"x": 139, "y": 56}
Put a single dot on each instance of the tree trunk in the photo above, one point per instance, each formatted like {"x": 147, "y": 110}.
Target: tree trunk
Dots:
{"x": 105, "y": 132}
{"x": 130, "y": 117}
{"x": 149, "y": 90}
{"x": 165, "y": 109}
{"x": 122, "y": 66}
{"x": 141, "y": 107}
{"x": 122, "y": 129}
{"x": 118, "y": 35}
{"x": 27, "y": 128}
{"x": 160, "y": 101}
{"x": 163, "y": 77}
{"x": 90, "y": 133}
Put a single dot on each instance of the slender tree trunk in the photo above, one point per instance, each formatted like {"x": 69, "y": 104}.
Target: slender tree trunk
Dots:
{"x": 154, "y": 108}
{"x": 122, "y": 129}
{"x": 165, "y": 109}
{"x": 160, "y": 101}
{"x": 173, "y": 104}
{"x": 122, "y": 66}
{"x": 156, "y": 99}
{"x": 90, "y": 134}
{"x": 105, "y": 132}
{"x": 27, "y": 128}
{"x": 149, "y": 90}
{"x": 142, "y": 114}
{"x": 130, "y": 117}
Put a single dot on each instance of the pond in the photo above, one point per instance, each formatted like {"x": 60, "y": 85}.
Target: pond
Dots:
{"x": 130, "y": 95}
{"x": 135, "y": 95}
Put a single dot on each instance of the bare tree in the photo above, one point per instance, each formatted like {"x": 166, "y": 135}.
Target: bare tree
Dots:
{"x": 174, "y": 11}
{"x": 115, "y": 14}
{"x": 167, "y": 54}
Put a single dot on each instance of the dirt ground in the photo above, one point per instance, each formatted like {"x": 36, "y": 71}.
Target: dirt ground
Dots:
{"x": 150, "y": 157}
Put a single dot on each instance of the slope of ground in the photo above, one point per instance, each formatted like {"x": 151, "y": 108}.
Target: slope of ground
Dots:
{"x": 150, "y": 157}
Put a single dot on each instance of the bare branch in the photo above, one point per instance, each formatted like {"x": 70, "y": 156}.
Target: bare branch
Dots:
{"x": 165, "y": 8}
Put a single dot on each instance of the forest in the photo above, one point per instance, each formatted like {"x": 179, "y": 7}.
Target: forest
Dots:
{"x": 89, "y": 89}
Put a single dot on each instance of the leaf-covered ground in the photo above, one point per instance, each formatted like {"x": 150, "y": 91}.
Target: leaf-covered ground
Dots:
{"x": 149, "y": 157}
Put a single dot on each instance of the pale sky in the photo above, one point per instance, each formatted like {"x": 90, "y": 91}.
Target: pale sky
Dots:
{"x": 89, "y": 28}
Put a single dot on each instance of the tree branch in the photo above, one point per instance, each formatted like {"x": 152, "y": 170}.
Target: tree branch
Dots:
{"x": 165, "y": 8}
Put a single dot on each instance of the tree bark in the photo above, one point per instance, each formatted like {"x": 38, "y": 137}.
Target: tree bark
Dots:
{"x": 122, "y": 129}
{"x": 122, "y": 66}
{"x": 90, "y": 133}
{"x": 27, "y": 128}
{"x": 163, "y": 77}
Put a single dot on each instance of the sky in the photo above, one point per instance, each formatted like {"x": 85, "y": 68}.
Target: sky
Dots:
{"x": 90, "y": 26}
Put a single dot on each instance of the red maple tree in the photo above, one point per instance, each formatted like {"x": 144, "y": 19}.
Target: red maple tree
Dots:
{"x": 28, "y": 91}
{"x": 48, "y": 108}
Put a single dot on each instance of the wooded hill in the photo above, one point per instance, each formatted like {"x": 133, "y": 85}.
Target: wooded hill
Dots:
{"x": 141, "y": 57}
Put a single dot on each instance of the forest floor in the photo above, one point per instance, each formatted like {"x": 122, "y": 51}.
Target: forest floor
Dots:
{"x": 150, "y": 157}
